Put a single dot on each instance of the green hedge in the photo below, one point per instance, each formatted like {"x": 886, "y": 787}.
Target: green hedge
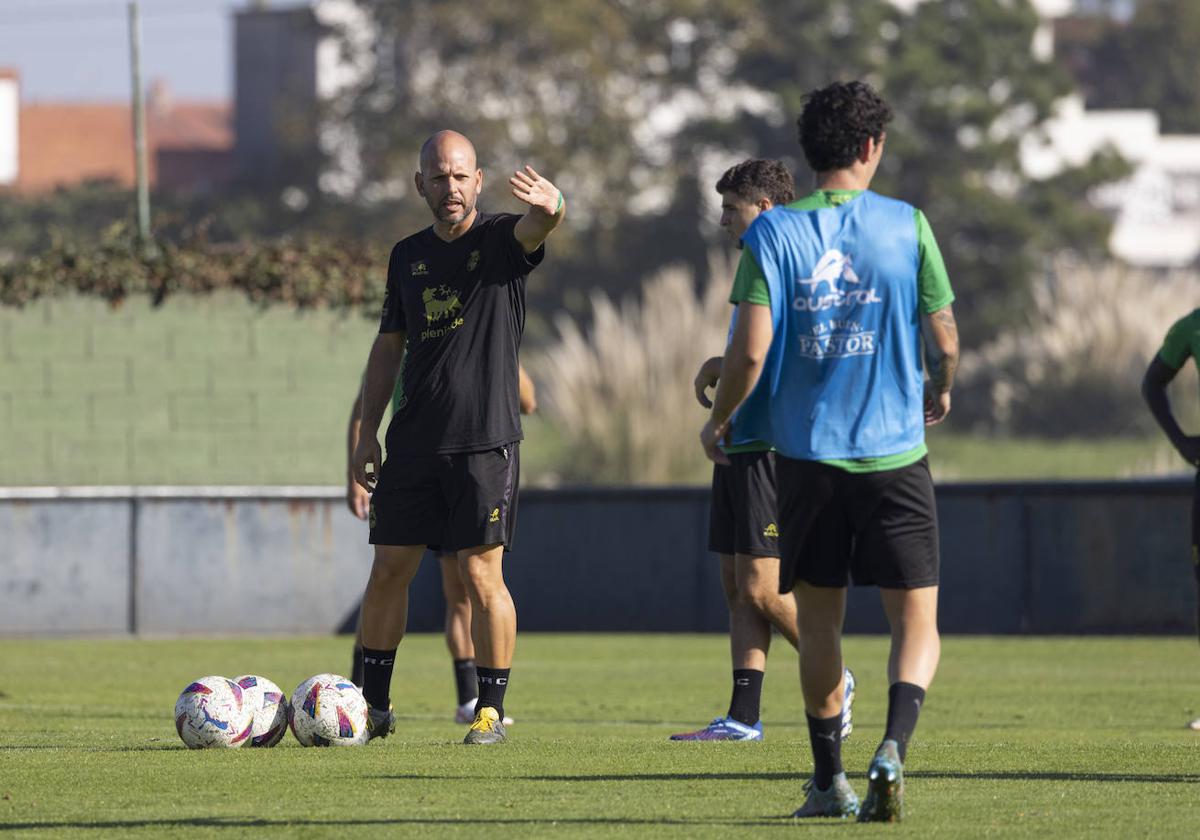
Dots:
{"x": 306, "y": 272}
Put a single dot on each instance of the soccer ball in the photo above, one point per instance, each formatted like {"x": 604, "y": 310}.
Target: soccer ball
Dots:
{"x": 328, "y": 710}
{"x": 265, "y": 700}
{"x": 211, "y": 712}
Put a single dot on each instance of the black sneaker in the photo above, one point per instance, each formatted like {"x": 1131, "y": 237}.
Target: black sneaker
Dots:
{"x": 380, "y": 722}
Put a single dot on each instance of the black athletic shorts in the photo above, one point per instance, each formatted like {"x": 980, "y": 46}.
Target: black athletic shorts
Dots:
{"x": 453, "y": 502}
{"x": 741, "y": 517}
{"x": 878, "y": 528}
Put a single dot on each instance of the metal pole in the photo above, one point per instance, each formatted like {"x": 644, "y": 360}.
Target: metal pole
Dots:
{"x": 139, "y": 125}
{"x": 135, "y": 516}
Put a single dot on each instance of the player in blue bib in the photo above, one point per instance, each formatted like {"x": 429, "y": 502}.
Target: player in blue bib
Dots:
{"x": 841, "y": 296}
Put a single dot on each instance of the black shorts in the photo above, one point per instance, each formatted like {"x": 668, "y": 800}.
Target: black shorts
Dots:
{"x": 741, "y": 517}
{"x": 453, "y": 501}
{"x": 878, "y": 528}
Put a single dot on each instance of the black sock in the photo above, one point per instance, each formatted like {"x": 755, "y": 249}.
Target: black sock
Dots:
{"x": 377, "y": 676}
{"x": 825, "y": 735}
{"x": 356, "y": 668}
{"x": 747, "y": 696}
{"x": 904, "y": 704}
{"x": 492, "y": 683}
{"x": 464, "y": 680}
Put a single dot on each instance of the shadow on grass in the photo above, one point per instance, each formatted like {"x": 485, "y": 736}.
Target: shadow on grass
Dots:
{"x": 73, "y": 749}
{"x": 244, "y": 823}
{"x": 989, "y": 776}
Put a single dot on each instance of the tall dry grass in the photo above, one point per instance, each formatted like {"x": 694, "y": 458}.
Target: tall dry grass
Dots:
{"x": 1075, "y": 366}
{"x": 618, "y": 389}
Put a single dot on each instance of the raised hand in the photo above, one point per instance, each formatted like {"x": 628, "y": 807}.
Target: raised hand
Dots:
{"x": 536, "y": 191}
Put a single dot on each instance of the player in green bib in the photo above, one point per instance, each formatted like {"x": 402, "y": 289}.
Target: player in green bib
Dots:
{"x": 1182, "y": 343}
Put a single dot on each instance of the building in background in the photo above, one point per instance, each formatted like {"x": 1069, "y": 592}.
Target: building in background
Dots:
{"x": 1156, "y": 211}
{"x": 290, "y": 66}
{"x": 47, "y": 145}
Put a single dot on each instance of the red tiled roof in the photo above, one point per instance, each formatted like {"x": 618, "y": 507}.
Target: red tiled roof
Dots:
{"x": 63, "y": 144}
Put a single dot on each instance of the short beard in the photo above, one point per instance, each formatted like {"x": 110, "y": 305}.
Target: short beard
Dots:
{"x": 454, "y": 217}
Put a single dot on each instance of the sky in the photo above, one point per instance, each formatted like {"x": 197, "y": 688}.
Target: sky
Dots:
{"x": 78, "y": 50}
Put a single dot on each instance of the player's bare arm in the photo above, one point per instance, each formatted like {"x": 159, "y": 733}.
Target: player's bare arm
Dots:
{"x": 707, "y": 377}
{"x": 546, "y": 208}
{"x": 740, "y": 370}
{"x": 379, "y": 383}
{"x": 527, "y": 394}
{"x": 1154, "y": 392}
{"x": 940, "y": 333}
{"x": 357, "y": 497}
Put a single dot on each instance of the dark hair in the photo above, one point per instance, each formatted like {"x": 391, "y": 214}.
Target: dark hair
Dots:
{"x": 837, "y": 120}
{"x": 751, "y": 180}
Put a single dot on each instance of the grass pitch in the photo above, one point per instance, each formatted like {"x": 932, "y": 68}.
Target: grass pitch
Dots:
{"x": 1020, "y": 738}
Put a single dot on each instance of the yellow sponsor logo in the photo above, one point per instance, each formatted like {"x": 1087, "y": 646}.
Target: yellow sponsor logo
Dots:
{"x": 440, "y": 303}
{"x": 495, "y": 517}
{"x": 771, "y": 531}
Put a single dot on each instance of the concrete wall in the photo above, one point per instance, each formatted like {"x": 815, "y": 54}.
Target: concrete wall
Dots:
{"x": 1089, "y": 557}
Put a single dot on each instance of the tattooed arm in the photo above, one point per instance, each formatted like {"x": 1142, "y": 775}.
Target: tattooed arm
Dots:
{"x": 941, "y": 361}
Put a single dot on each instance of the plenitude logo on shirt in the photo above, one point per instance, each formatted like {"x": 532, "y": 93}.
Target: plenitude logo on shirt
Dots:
{"x": 833, "y": 270}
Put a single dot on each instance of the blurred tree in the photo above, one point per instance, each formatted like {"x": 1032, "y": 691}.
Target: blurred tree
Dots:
{"x": 634, "y": 107}
{"x": 965, "y": 86}
{"x": 1149, "y": 61}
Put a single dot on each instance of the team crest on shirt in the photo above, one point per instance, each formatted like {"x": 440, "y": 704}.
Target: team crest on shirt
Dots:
{"x": 418, "y": 269}
{"x": 771, "y": 531}
{"x": 473, "y": 260}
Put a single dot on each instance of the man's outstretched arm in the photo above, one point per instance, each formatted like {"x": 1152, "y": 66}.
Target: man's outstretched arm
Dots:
{"x": 1154, "y": 392}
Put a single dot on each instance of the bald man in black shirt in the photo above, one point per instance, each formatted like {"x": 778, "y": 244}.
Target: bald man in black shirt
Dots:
{"x": 451, "y": 328}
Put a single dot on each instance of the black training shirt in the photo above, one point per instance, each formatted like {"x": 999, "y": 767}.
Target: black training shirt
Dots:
{"x": 462, "y": 305}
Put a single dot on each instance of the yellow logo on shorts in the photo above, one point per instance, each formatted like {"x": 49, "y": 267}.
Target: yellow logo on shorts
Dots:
{"x": 771, "y": 531}
{"x": 495, "y": 517}
{"x": 371, "y": 515}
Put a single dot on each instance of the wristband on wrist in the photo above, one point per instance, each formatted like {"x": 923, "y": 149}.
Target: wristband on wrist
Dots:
{"x": 560, "y": 204}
